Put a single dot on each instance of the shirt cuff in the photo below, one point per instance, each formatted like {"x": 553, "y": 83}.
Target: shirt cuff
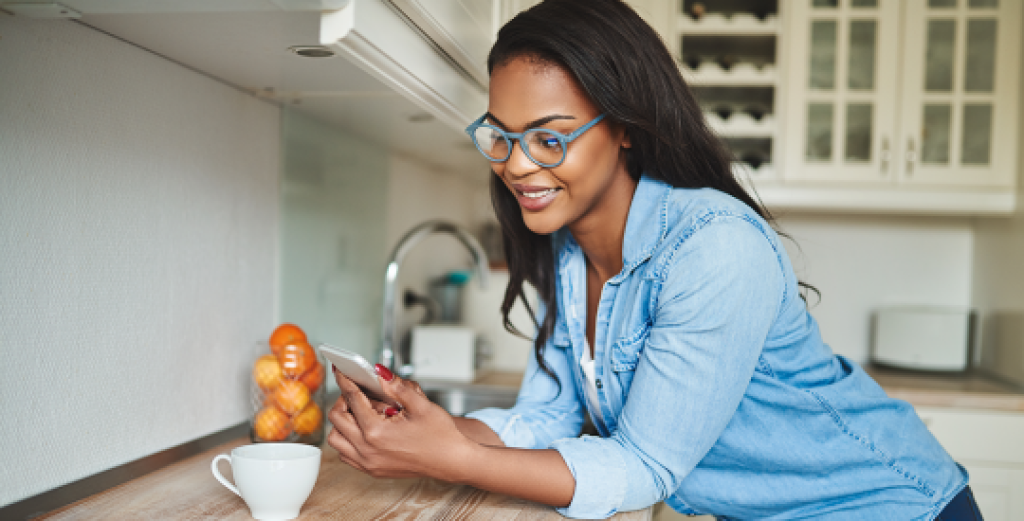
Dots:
{"x": 600, "y": 474}
{"x": 508, "y": 425}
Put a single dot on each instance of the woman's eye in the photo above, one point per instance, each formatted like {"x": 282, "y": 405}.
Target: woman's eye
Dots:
{"x": 546, "y": 140}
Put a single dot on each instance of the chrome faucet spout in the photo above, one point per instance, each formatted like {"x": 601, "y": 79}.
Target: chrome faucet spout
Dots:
{"x": 388, "y": 353}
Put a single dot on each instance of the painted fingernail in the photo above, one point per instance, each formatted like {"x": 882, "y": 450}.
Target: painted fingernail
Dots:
{"x": 390, "y": 411}
{"x": 384, "y": 372}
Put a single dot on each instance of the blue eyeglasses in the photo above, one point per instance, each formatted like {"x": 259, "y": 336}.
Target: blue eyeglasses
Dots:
{"x": 544, "y": 147}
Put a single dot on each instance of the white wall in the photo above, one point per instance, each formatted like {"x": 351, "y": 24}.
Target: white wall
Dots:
{"x": 138, "y": 217}
{"x": 999, "y": 287}
{"x": 417, "y": 193}
{"x": 860, "y": 263}
{"x": 334, "y": 187}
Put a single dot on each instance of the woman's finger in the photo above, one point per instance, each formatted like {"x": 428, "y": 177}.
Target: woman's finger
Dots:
{"x": 349, "y": 428}
{"x": 405, "y": 392}
{"x": 346, "y": 452}
{"x": 380, "y": 407}
{"x": 416, "y": 387}
{"x": 358, "y": 404}
{"x": 340, "y": 405}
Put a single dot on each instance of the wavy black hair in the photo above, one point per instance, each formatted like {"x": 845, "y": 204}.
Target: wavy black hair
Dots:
{"x": 626, "y": 70}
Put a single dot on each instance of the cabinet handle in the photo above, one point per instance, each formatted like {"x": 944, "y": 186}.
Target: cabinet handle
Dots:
{"x": 911, "y": 156}
{"x": 885, "y": 156}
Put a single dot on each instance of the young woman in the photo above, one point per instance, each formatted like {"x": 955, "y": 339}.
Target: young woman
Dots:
{"x": 670, "y": 313}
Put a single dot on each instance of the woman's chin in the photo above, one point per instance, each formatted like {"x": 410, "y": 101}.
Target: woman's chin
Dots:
{"x": 542, "y": 224}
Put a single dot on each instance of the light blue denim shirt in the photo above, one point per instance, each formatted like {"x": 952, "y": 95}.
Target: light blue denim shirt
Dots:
{"x": 718, "y": 393}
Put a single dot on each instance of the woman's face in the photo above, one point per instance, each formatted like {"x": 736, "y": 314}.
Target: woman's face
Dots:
{"x": 525, "y": 94}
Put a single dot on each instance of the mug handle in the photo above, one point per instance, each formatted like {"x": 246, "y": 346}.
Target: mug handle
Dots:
{"x": 217, "y": 474}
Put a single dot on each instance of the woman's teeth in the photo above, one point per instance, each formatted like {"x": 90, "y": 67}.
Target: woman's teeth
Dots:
{"x": 538, "y": 195}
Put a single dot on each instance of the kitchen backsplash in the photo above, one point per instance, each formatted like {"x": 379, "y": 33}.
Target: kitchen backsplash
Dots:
{"x": 138, "y": 203}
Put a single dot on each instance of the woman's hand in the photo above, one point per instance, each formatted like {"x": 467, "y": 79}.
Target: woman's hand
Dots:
{"x": 420, "y": 440}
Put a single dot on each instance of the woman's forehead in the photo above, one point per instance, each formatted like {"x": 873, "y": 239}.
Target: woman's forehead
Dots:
{"x": 527, "y": 89}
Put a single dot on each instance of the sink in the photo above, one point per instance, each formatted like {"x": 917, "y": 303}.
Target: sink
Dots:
{"x": 459, "y": 399}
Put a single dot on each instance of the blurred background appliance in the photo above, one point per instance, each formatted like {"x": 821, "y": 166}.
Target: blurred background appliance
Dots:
{"x": 927, "y": 338}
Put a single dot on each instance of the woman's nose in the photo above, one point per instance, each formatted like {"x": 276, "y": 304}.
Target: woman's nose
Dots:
{"x": 518, "y": 164}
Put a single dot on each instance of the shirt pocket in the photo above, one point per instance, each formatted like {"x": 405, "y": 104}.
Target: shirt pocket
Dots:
{"x": 627, "y": 350}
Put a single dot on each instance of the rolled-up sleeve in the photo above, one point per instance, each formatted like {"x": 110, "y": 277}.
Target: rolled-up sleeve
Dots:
{"x": 544, "y": 411}
{"x": 721, "y": 291}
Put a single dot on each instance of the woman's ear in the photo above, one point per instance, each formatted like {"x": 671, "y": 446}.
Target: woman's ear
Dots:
{"x": 624, "y": 142}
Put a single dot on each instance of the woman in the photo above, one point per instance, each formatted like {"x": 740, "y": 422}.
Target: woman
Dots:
{"x": 671, "y": 314}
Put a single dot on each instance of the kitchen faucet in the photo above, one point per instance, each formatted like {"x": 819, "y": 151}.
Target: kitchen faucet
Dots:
{"x": 388, "y": 353}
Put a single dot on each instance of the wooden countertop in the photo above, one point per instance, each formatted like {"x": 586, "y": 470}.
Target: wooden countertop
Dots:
{"x": 962, "y": 391}
{"x": 187, "y": 490}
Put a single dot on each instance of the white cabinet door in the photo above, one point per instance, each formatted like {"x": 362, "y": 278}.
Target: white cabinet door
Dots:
{"x": 960, "y": 92}
{"x": 462, "y": 29}
{"x": 376, "y": 38}
{"x": 841, "y": 90}
{"x": 990, "y": 445}
{"x": 998, "y": 490}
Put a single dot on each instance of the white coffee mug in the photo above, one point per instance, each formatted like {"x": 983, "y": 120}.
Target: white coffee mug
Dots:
{"x": 274, "y": 479}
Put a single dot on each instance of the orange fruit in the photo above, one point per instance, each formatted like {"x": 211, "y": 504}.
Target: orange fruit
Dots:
{"x": 285, "y": 334}
{"x": 314, "y": 377}
{"x": 308, "y": 421}
{"x": 271, "y": 424}
{"x": 266, "y": 372}
{"x": 291, "y": 396}
{"x": 296, "y": 359}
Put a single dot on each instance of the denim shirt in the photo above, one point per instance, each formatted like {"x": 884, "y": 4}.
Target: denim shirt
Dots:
{"x": 718, "y": 394}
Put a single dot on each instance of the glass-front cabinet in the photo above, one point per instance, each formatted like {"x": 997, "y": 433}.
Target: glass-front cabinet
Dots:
{"x": 960, "y": 92}
{"x": 914, "y": 92}
{"x": 841, "y": 88}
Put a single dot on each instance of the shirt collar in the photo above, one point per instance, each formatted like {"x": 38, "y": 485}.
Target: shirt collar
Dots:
{"x": 646, "y": 226}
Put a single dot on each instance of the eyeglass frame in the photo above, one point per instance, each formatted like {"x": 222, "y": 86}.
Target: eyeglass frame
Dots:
{"x": 563, "y": 139}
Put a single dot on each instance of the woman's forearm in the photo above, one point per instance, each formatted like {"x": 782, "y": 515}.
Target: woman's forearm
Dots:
{"x": 478, "y": 431}
{"x": 539, "y": 475}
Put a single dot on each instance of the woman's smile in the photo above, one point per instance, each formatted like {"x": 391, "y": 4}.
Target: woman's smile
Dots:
{"x": 535, "y": 198}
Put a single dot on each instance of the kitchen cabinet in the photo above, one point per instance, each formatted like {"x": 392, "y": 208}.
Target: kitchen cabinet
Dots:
{"x": 988, "y": 444}
{"x": 436, "y": 66}
{"x": 842, "y": 90}
{"x": 730, "y": 58}
{"x": 960, "y": 92}
{"x": 905, "y": 96}
{"x": 463, "y": 30}
{"x": 878, "y": 106}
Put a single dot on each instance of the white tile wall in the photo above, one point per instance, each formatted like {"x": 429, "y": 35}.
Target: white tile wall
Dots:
{"x": 334, "y": 191}
{"x": 138, "y": 217}
{"x": 863, "y": 262}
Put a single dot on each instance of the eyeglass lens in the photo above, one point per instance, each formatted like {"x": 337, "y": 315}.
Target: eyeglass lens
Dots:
{"x": 543, "y": 147}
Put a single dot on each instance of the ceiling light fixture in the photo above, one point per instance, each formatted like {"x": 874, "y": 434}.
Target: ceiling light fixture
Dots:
{"x": 421, "y": 117}
{"x": 312, "y": 51}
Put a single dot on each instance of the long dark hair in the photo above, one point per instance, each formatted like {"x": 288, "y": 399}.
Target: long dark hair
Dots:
{"x": 626, "y": 70}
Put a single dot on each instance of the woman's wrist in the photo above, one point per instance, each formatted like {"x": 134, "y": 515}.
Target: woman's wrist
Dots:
{"x": 463, "y": 462}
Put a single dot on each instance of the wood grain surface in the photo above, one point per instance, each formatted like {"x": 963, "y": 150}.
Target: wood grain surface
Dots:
{"x": 188, "y": 491}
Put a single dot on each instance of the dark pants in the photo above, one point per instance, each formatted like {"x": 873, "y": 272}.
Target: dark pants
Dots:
{"x": 961, "y": 508}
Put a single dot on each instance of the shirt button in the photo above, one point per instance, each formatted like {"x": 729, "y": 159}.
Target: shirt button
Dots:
{"x": 598, "y": 383}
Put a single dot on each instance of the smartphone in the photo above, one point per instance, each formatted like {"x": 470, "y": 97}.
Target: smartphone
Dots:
{"x": 357, "y": 369}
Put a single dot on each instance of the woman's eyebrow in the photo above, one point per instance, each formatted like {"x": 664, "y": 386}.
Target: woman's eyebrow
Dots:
{"x": 533, "y": 124}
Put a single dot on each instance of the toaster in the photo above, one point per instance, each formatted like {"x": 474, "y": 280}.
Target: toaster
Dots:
{"x": 926, "y": 338}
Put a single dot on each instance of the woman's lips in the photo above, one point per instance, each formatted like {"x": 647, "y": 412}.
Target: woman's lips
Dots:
{"x": 535, "y": 198}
